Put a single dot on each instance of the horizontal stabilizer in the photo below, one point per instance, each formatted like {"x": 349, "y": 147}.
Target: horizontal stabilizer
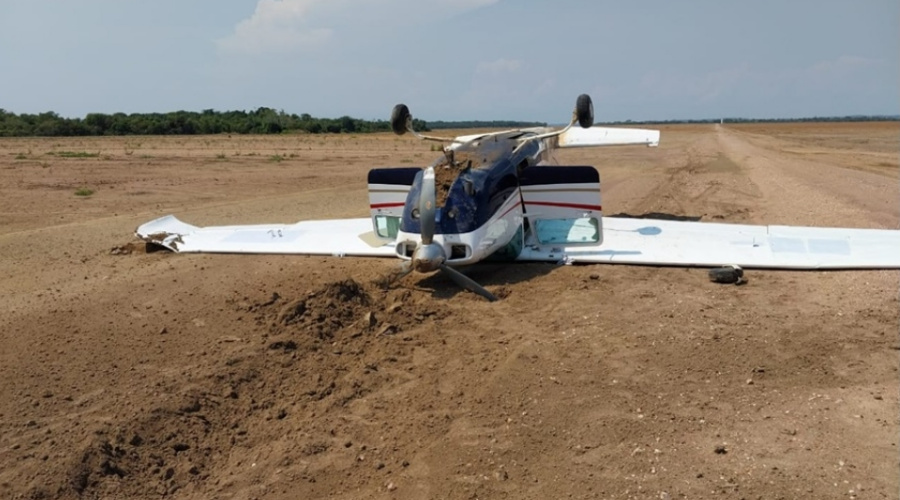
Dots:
{"x": 332, "y": 237}
{"x": 607, "y": 136}
{"x": 703, "y": 244}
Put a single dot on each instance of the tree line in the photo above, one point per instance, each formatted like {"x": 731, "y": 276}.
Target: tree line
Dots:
{"x": 260, "y": 121}
{"x": 270, "y": 121}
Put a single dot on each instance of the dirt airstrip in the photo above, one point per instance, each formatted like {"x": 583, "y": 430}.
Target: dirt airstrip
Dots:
{"x": 127, "y": 374}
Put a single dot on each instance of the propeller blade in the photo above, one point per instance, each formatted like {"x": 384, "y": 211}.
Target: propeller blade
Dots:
{"x": 467, "y": 283}
{"x": 395, "y": 274}
{"x": 426, "y": 206}
{"x": 402, "y": 270}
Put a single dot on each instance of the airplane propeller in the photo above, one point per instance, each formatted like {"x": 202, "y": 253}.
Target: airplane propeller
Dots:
{"x": 467, "y": 283}
{"x": 427, "y": 199}
{"x": 430, "y": 256}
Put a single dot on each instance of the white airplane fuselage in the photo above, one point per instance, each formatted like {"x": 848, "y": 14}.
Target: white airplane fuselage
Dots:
{"x": 485, "y": 169}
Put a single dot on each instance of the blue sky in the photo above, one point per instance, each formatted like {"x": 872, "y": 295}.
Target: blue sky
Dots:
{"x": 453, "y": 59}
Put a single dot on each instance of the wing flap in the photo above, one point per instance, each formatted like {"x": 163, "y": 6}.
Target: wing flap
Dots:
{"x": 332, "y": 237}
{"x": 702, "y": 244}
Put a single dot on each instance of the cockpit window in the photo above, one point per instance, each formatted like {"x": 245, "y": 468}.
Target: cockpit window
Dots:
{"x": 561, "y": 231}
{"x": 387, "y": 226}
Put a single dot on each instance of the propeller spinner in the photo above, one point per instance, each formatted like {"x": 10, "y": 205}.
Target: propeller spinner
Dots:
{"x": 429, "y": 256}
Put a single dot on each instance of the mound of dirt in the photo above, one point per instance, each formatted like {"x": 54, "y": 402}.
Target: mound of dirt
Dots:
{"x": 337, "y": 313}
{"x": 165, "y": 451}
{"x": 311, "y": 356}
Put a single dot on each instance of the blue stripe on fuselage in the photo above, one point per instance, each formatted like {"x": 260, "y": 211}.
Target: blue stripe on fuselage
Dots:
{"x": 462, "y": 212}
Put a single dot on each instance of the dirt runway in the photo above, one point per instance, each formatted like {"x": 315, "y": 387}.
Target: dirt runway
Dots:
{"x": 127, "y": 374}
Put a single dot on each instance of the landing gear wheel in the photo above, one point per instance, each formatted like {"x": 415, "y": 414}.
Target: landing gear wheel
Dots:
{"x": 399, "y": 118}
{"x": 728, "y": 275}
{"x": 584, "y": 111}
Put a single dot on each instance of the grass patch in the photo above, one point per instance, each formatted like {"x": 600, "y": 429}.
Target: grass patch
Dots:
{"x": 276, "y": 158}
{"x": 21, "y": 156}
{"x": 220, "y": 156}
{"x": 74, "y": 154}
{"x": 84, "y": 192}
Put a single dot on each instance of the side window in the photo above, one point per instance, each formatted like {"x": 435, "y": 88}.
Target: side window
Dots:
{"x": 386, "y": 226}
{"x": 555, "y": 231}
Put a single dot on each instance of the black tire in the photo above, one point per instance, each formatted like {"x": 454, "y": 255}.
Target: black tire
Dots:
{"x": 727, "y": 274}
{"x": 399, "y": 118}
{"x": 584, "y": 111}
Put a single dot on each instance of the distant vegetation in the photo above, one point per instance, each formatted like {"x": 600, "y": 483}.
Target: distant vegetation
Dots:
{"x": 851, "y": 118}
{"x": 270, "y": 121}
{"x": 261, "y": 121}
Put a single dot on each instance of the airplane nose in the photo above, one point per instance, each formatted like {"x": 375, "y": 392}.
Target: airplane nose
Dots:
{"x": 428, "y": 258}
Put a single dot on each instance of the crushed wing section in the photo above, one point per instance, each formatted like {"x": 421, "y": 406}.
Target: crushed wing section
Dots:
{"x": 333, "y": 237}
{"x": 677, "y": 243}
{"x": 577, "y": 137}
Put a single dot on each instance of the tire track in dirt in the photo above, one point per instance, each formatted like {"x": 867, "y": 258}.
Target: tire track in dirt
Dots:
{"x": 584, "y": 381}
{"x": 800, "y": 191}
{"x": 704, "y": 184}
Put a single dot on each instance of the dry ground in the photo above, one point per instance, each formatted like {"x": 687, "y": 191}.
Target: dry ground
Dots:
{"x": 148, "y": 375}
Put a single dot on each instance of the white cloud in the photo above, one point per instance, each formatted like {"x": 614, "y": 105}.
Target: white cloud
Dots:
{"x": 277, "y": 26}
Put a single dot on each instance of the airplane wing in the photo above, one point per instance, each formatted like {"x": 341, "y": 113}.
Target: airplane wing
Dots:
{"x": 332, "y": 237}
{"x": 607, "y": 136}
{"x": 704, "y": 244}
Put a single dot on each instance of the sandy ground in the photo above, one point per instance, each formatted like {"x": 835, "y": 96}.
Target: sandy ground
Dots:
{"x": 126, "y": 374}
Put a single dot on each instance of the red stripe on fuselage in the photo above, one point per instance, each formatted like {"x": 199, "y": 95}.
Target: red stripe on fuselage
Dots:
{"x": 516, "y": 204}
{"x": 386, "y": 205}
{"x": 564, "y": 205}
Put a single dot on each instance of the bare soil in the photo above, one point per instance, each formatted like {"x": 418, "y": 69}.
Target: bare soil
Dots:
{"x": 128, "y": 374}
